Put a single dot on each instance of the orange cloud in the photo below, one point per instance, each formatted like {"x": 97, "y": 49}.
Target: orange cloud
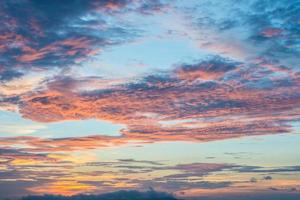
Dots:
{"x": 67, "y": 188}
{"x": 81, "y": 46}
{"x": 217, "y": 109}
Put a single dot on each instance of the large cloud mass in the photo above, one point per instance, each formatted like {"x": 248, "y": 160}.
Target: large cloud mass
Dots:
{"x": 213, "y": 99}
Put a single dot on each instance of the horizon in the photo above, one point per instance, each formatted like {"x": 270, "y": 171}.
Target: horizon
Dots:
{"x": 199, "y": 99}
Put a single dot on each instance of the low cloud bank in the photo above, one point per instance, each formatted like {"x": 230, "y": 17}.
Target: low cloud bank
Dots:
{"x": 258, "y": 196}
{"x": 119, "y": 195}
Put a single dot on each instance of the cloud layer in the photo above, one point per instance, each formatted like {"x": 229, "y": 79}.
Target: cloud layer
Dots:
{"x": 213, "y": 99}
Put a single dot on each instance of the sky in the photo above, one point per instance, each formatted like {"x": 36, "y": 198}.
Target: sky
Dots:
{"x": 197, "y": 98}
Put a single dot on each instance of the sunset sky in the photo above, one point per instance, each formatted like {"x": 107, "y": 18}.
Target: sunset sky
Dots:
{"x": 190, "y": 97}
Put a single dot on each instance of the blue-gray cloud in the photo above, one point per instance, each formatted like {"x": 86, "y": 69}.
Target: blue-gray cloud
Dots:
{"x": 49, "y": 34}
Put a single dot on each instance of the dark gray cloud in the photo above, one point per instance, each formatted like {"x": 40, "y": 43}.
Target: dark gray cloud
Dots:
{"x": 13, "y": 190}
{"x": 139, "y": 161}
{"x": 267, "y": 178}
{"x": 257, "y": 169}
{"x": 175, "y": 185}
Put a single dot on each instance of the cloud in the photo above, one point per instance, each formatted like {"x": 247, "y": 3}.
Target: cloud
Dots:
{"x": 11, "y": 189}
{"x": 268, "y": 170}
{"x": 56, "y": 173}
{"x": 180, "y": 176}
{"x": 210, "y": 70}
{"x": 267, "y": 178}
{"x": 139, "y": 161}
{"x": 18, "y": 86}
{"x": 249, "y": 86}
{"x": 18, "y": 160}
{"x": 210, "y": 100}
{"x": 215, "y": 98}
{"x": 132, "y": 195}
{"x": 164, "y": 196}
{"x": 46, "y": 35}
{"x": 246, "y": 31}
{"x": 271, "y": 195}
{"x": 38, "y": 144}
